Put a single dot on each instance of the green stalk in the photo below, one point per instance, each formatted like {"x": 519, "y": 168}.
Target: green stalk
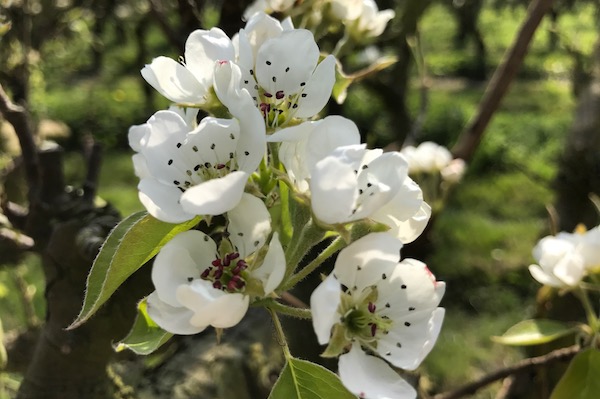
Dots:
{"x": 280, "y": 335}
{"x": 289, "y": 310}
{"x": 335, "y": 246}
{"x": 589, "y": 309}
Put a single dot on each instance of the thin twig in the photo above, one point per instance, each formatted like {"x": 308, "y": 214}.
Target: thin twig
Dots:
{"x": 20, "y": 241}
{"x": 17, "y": 116}
{"x": 524, "y": 365}
{"x": 500, "y": 82}
{"x": 293, "y": 300}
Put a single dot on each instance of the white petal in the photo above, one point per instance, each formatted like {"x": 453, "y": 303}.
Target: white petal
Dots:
{"x": 413, "y": 287}
{"x": 372, "y": 378}
{"x": 180, "y": 261}
{"x": 241, "y": 105}
{"x": 318, "y": 89}
{"x": 213, "y": 141}
{"x": 140, "y": 167}
{"x": 216, "y": 196}
{"x": 174, "y": 81}
{"x": 283, "y": 63}
{"x": 202, "y": 49}
{"x": 173, "y": 319}
{"x": 544, "y": 278}
{"x": 249, "y": 225}
{"x": 260, "y": 28}
{"x": 162, "y": 201}
{"x": 416, "y": 340}
{"x": 334, "y": 190}
{"x": 324, "y": 302}
{"x": 162, "y": 146}
{"x": 137, "y": 135}
{"x": 366, "y": 260}
{"x": 272, "y": 270}
{"x": 212, "y": 306}
{"x": 408, "y": 231}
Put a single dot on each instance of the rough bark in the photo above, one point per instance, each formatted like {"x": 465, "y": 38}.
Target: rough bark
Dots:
{"x": 579, "y": 169}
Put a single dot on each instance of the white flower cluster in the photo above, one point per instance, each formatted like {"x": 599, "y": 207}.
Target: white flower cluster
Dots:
{"x": 362, "y": 18}
{"x": 565, "y": 259}
{"x": 272, "y": 82}
{"x": 429, "y": 157}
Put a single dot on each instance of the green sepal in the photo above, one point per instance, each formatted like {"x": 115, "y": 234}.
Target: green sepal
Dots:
{"x": 337, "y": 343}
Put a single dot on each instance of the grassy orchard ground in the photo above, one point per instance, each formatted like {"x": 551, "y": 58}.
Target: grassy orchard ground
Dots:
{"x": 483, "y": 239}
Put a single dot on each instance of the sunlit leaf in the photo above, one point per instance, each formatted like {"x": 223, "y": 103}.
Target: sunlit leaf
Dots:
{"x": 534, "y": 332}
{"x": 145, "y": 336}
{"x": 580, "y": 381}
{"x": 128, "y": 246}
{"x": 301, "y": 379}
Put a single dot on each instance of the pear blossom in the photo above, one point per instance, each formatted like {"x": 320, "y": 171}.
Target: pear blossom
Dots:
{"x": 427, "y": 157}
{"x": 267, "y": 6}
{"x": 307, "y": 143}
{"x": 373, "y": 301}
{"x": 361, "y": 17}
{"x": 280, "y": 68}
{"x": 190, "y": 80}
{"x": 564, "y": 259}
{"x": 199, "y": 283}
{"x": 202, "y": 171}
{"x": 354, "y": 183}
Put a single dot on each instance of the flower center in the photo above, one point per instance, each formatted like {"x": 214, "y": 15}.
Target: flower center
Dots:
{"x": 360, "y": 317}
{"x": 226, "y": 273}
{"x": 202, "y": 172}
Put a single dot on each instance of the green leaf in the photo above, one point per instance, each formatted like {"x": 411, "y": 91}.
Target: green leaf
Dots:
{"x": 534, "y": 332}
{"x": 580, "y": 381}
{"x": 145, "y": 336}
{"x": 301, "y": 379}
{"x": 132, "y": 243}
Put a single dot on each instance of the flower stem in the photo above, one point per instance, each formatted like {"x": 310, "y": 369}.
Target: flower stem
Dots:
{"x": 589, "y": 309}
{"x": 280, "y": 335}
{"x": 310, "y": 235}
{"x": 335, "y": 246}
{"x": 288, "y": 310}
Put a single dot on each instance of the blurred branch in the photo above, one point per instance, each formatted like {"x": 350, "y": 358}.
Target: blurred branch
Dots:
{"x": 499, "y": 83}
{"x": 17, "y": 116}
{"x": 20, "y": 241}
{"x": 524, "y": 365}
{"x": 20, "y": 347}
{"x": 94, "y": 163}
{"x": 157, "y": 11}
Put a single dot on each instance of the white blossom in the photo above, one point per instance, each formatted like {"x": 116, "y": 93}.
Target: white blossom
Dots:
{"x": 305, "y": 144}
{"x": 190, "y": 80}
{"x": 280, "y": 68}
{"x": 199, "y": 284}
{"x": 427, "y": 157}
{"x": 372, "y": 300}
{"x": 201, "y": 171}
{"x": 354, "y": 183}
{"x": 564, "y": 259}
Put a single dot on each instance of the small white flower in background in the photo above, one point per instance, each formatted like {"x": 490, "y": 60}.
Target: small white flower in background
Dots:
{"x": 565, "y": 259}
{"x": 373, "y": 301}
{"x": 454, "y": 171}
{"x": 309, "y": 142}
{"x": 362, "y": 17}
{"x": 190, "y": 81}
{"x": 203, "y": 171}
{"x": 267, "y": 6}
{"x": 280, "y": 68}
{"x": 354, "y": 183}
{"x": 428, "y": 157}
{"x": 199, "y": 284}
